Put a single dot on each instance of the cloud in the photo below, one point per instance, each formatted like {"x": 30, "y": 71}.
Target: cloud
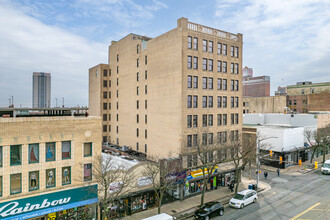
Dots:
{"x": 29, "y": 45}
{"x": 283, "y": 39}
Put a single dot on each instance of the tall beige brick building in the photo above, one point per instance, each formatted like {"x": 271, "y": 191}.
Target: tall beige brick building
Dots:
{"x": 157, "y": 92}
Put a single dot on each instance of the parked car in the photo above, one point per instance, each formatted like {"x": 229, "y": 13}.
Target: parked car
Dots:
{"x": 209, "y": 210}
{"x": 326, "y": 167}
{"x": 243, "y": 198}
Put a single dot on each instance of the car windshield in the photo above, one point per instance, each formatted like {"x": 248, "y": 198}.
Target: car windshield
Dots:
{"x": 238, "y": 196}
{"x": 205, "y": 207}
{"x": 326, "y": 165}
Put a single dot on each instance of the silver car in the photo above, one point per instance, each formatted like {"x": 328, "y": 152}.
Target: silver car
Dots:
{"x": 243, "y": 198}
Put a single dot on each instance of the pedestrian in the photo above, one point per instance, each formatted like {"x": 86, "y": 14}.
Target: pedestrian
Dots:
{"x": 232, "y": 186}
{"x": 265, "y": 174}
{"x": 278, "y": 171}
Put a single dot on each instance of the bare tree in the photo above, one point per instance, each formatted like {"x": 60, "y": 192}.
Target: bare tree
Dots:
{"x": 318, "y": 140}
{"x": 200, "y": 153}
{"x": 112, "y": 178}
{"x": 163, "y": 173}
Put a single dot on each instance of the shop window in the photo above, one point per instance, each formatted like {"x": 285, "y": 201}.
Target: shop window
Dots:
{"x": 15, "y": 155}
{"x": 33, "y": 180}
{"x": 87, "y": 149}
{"x": 50, "y": 178}
{"x": 0, "y": 156}
{"x": 87, "y": 172}
{"x": 66, "y": 175}
{"x": 66, "y": 150}
{"x": 15, "y": 183}
{"x": 1, "y": 186}
{"x": 50, "y": 151}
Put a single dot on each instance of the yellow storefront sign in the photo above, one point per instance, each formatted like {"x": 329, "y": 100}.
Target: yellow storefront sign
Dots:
{"x": 52, "y": 216}
{"x": 199, "y": 172}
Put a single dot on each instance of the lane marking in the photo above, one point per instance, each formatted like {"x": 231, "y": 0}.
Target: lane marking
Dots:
{"x": 321, "y": 210}
{"x": 310, "y": 208}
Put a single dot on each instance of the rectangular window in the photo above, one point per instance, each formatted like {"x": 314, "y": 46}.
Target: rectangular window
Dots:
{"x": 231, "y": 67}
{"x": 33, "y": 180}
{"x": 195, "y": 139}
{"x": 196, "y": 63}
{"x": 105, "y": 83}
{"x": 146, "y": 60}
{"x": 224, "y": 85}
{"x": 210, "y": 101}
{"x": 224, "y": 67}
{"x": 195, "y": 43}
{"x": 189, "y": 62}
{"x": 189, "y": 82}
{"x": 210, "y": 65}
{"x": 137, "y": 104}
{"x": 219, "y": 101}
{"x": 145, "y": 148}
{"x": 232, "y": 85}
{"x": 219, "y": 48}
{"x": 236, "y": 135}
{"x": 219, "y": 119}
{"x": 236, "y": 102}
{"x": 204, "y": 120}
{"x": 210, "y": 138}
{"x": 105, "y": 95}
{"x": 232, "y": 138}
{"x": 224, "y": 119}
{"x": 137, "y": 132}
{"x": 210, "y": 83}
{"x": 105, "y": 106}
{"x": 105, "y": 72}
{"x": 224, "y": 137}
{"x": 109, "y": 83}
{"x": 236, "y": 68}
{"x": 88, "y": 172}
{"x": 210, "y": 120}
{"x": 219, "y": 84}
{"x": 189, "y": 101}
{"x": 211, "y": 46}
{"x": 195, "y": 101}
{"x": 145, "y": 119}
{"x": 232, "y": 51}
{"x": 50, "y": 151}
{"x": 66, "y": 150}
{"x": 137, "y": 146}
{"x": 109, "y": 105}
{"x": 204, "y": 139}
{"x": 236, "y": 51}
{"x": 232, "y": 102}
{"x": 145, "y": 104}
{"x": 137, "y": 90}
{"x": 50, "y": 178}
{"x": 66, "y": 175}
{"x": 224, "y": 103}
{"x": 219, "y": 138}
{"x": 236, "y": 85}
{"x": 146, "y": 74}
{"x": 88, "y": 149}
{"x": 189, "y": 42}
{"x": 15, "y": 183}
{"x": 204, "y": 45}
{"x": 236, "y": 119}
{"x": 189, "y": 140}
{"x": 109, "y": 95}
{"x": 232, "y": 117}
{"x": 117, "y": 69}
{"x": 204, "y": 82}
{"x": 204, "y": 101}
{"x": 189, "y": 121}
{"x": 138, "y": 48}
{"x": 195, "y": 82}
{"x": 195, "y": 120}
{"x": 219, "y": 66}
{"x": 204, "y": 64}
{"x": 15, "y": 155}
{"x": 145, "y": 133}
{"x": 224, "y": 49}
{"x": 137, "y": 62}
{"x": 137, "y": 76}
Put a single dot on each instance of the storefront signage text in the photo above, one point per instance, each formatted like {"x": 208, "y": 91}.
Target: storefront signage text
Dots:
{"x": 195, "y": 173}
{"x": 144, "y": 181}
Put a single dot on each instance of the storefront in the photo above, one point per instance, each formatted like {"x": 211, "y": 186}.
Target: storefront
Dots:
{"x": 225, "y": 178}
{"x": 78, "y": 203}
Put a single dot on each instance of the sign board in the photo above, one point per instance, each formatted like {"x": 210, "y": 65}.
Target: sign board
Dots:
{"x": 48, "y": 203}
{"x": 115, "y": 187}
{"x": 195, "y": 173}
{"x": 144, "y": 181}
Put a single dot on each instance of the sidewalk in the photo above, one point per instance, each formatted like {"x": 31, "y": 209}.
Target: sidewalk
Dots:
{"x": 295, "y": 169}
{"x": 185, "y": 208}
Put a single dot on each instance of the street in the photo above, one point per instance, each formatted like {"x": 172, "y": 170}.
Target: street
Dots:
{"x": 291, "y": 197}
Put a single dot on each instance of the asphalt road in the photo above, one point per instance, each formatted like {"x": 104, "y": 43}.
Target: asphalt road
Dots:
{"x": 291, "y": 197}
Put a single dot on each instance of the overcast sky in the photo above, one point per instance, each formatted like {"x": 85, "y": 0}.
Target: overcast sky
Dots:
{"x": 289, "y": 40}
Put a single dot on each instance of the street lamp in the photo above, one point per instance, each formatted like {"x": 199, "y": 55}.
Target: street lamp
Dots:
{"x": 258, "y": 156}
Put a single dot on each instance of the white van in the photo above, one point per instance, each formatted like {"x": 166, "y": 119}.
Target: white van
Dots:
{"x": 162, "y": 216}
{"x": 326, "y": 167}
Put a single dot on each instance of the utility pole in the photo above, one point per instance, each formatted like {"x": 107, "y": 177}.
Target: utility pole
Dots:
{"x": 62, "y": 102}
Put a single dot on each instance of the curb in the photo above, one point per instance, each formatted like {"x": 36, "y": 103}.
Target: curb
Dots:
{"x": 190, "y": 212}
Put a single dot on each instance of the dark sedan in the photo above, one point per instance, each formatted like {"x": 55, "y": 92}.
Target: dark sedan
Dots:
{"x": 209, "y": 210}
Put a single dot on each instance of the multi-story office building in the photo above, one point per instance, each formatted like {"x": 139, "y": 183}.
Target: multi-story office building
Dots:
{"x": 46, "y": 165}
{"x": 157, "y": 92}
{"x": 258, "y": 86}
{"x": 41, "y": 97}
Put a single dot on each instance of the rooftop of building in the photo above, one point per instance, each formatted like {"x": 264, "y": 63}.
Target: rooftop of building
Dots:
{"x": 308, "y": 84}
{"x": 43, "y": 112}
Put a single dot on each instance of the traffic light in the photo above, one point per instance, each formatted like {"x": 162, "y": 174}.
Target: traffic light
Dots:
{"x": 299, "y": 162}
{"x": 315, "y": 164}
{"x": 271, "y": 153}
{"x": 281, "y": 159}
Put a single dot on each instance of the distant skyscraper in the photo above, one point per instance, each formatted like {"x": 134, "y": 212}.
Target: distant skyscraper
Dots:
{"x": 41, "y": 90}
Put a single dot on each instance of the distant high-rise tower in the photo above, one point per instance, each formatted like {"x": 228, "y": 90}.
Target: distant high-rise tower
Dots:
{"x": 41, "y": 90}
